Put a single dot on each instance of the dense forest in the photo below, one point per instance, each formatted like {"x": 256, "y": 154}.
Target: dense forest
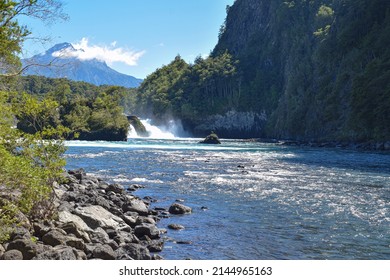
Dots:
{"x": 315, "y": 70}
{"x": 89, "y": 112}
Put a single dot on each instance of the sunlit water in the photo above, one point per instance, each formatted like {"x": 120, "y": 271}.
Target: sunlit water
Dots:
{"x": 263, "y": 201}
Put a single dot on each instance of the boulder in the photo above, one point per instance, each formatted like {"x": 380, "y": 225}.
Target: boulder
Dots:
{"x": 149, "y": 230}
{"x": 98, "y": 236}
{"x": 96, "y": 216}
{"x": 155, "y": 246}
{"x": 176, "y": 227}
{"x": 211, "y": 139}
{"x": 58, "y": 236}
{"x": 133, "y": 251}
{"x": 179, "y": 209}
{"x": 65, "y": 217}
{"x": 20, "y": 233}
{"x": 72, "y": 228}
{"x": 27, "y": 247}
{"x": 12, "y": 255}
{"x": 130, "y": 220}
{"x": 145, "y": 220}
{"x": 55, "y": 237}
{"x": 104, "y": 252}
{"x": 60, "y": 252}
{"x": 136, "y": 205}
{"x": 116, "y": 188}
{"x": 78, "y": 173}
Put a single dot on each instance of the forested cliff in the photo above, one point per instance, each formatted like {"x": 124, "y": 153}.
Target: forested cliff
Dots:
{"x": 305, "y": 69}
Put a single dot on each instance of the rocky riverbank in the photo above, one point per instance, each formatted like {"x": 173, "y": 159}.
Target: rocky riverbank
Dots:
{"x": 94, "y": 220}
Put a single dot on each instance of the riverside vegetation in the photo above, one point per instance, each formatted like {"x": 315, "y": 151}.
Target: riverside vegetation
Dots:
{"x": 46, "y": 212}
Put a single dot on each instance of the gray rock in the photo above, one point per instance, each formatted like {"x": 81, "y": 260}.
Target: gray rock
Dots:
{"x": 28, "y": 248}
{"x": 145, "y": 220}
{"x": 80, "y": 255}
{"x": 67, "y": 217}
{"x": 78, "y": 173}
{"x": 96, "y": 216}
{"x": 60, "y": 252}
{"x": 75, "y": 242}
{"x": 104, "y": 252}
{"x": 103, "y": 185}
{"x": 72, "y": 228}
{"x": 157, "y": 257}
{"x": 113, "y": 244}
{"x": 55, "y": 237}
{"x": 176, "y": 227}
{"x": 40, "y": 229}
{"x": 133, "y": 251}
{"x": 155, "y": 246}
{"x": 102, "y": 202}
{"x": 149, "y": 230}
{"x": 20, "y": 233}
{"x": 178, "y": 209}
{"x": 58, "y": 236}
{"x": 99, "y": 235}
{"x": 12, "y": 255}
{"x": 130, "y": 220}
{"x": 69, "y": 179}
{"x": 124, "y": 238}
{"x": 136, "y": 205}
{"x": 116, "y": 188}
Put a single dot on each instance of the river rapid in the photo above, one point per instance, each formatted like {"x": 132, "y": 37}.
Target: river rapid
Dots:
{"x": 254, "y": 200}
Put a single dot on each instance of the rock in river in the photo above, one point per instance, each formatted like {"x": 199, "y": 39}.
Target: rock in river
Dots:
{"x": 179, "y": 209}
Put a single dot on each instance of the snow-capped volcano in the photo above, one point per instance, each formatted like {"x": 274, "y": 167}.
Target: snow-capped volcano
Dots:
{"x": 65, "y": 61}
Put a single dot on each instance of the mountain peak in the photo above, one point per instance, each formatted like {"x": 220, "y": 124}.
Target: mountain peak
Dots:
{"x": 63, "y": 64}
{"x": 60, "y": 47}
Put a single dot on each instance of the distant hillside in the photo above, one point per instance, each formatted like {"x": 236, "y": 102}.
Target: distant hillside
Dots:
{"x": 51, "y": 64}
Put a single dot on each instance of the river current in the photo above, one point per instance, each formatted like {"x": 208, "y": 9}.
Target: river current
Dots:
{"x": 254, "y": 200}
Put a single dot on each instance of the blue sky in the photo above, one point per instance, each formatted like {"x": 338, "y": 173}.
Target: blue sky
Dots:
{"x": 135, "y": 37}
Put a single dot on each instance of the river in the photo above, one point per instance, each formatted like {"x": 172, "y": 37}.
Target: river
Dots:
{"x": 254, "y": 200}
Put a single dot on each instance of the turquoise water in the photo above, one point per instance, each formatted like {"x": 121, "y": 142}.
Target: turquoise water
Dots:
{"x": 255, "y": 200}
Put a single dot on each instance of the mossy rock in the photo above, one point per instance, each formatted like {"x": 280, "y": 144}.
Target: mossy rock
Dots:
{"x": 138, "y": 126}
{"x": 211, "y": 139}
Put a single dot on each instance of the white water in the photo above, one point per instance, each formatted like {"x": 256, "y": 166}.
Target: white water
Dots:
{"x": 156, "y": 132}
{"x": 291, "y": 202}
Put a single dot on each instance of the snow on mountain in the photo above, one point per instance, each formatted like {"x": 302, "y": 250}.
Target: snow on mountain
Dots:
{"x": 59, "y": 62}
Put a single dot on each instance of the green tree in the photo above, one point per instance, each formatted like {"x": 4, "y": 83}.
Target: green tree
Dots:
{"x": 29, "y": 166}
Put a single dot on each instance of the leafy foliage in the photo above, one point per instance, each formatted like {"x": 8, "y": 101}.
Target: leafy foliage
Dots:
{"x": 29, "y": 166}
{"x": 317, "y": 68}
{"x": 188, "y": 91}
{"x": 86, "y": 111}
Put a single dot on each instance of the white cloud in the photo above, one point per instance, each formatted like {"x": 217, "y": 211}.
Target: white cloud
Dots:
{"x": 109, "y": 54}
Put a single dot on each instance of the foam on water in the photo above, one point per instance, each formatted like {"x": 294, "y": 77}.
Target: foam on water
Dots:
{"x": 297, "y": 203}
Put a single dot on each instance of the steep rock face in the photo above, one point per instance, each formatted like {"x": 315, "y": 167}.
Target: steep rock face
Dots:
{"x": 233, "y": 124}
{"x": 317, "y": 68}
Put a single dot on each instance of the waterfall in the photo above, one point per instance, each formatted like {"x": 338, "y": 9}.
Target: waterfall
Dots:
{"x": 157, "y": 132}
